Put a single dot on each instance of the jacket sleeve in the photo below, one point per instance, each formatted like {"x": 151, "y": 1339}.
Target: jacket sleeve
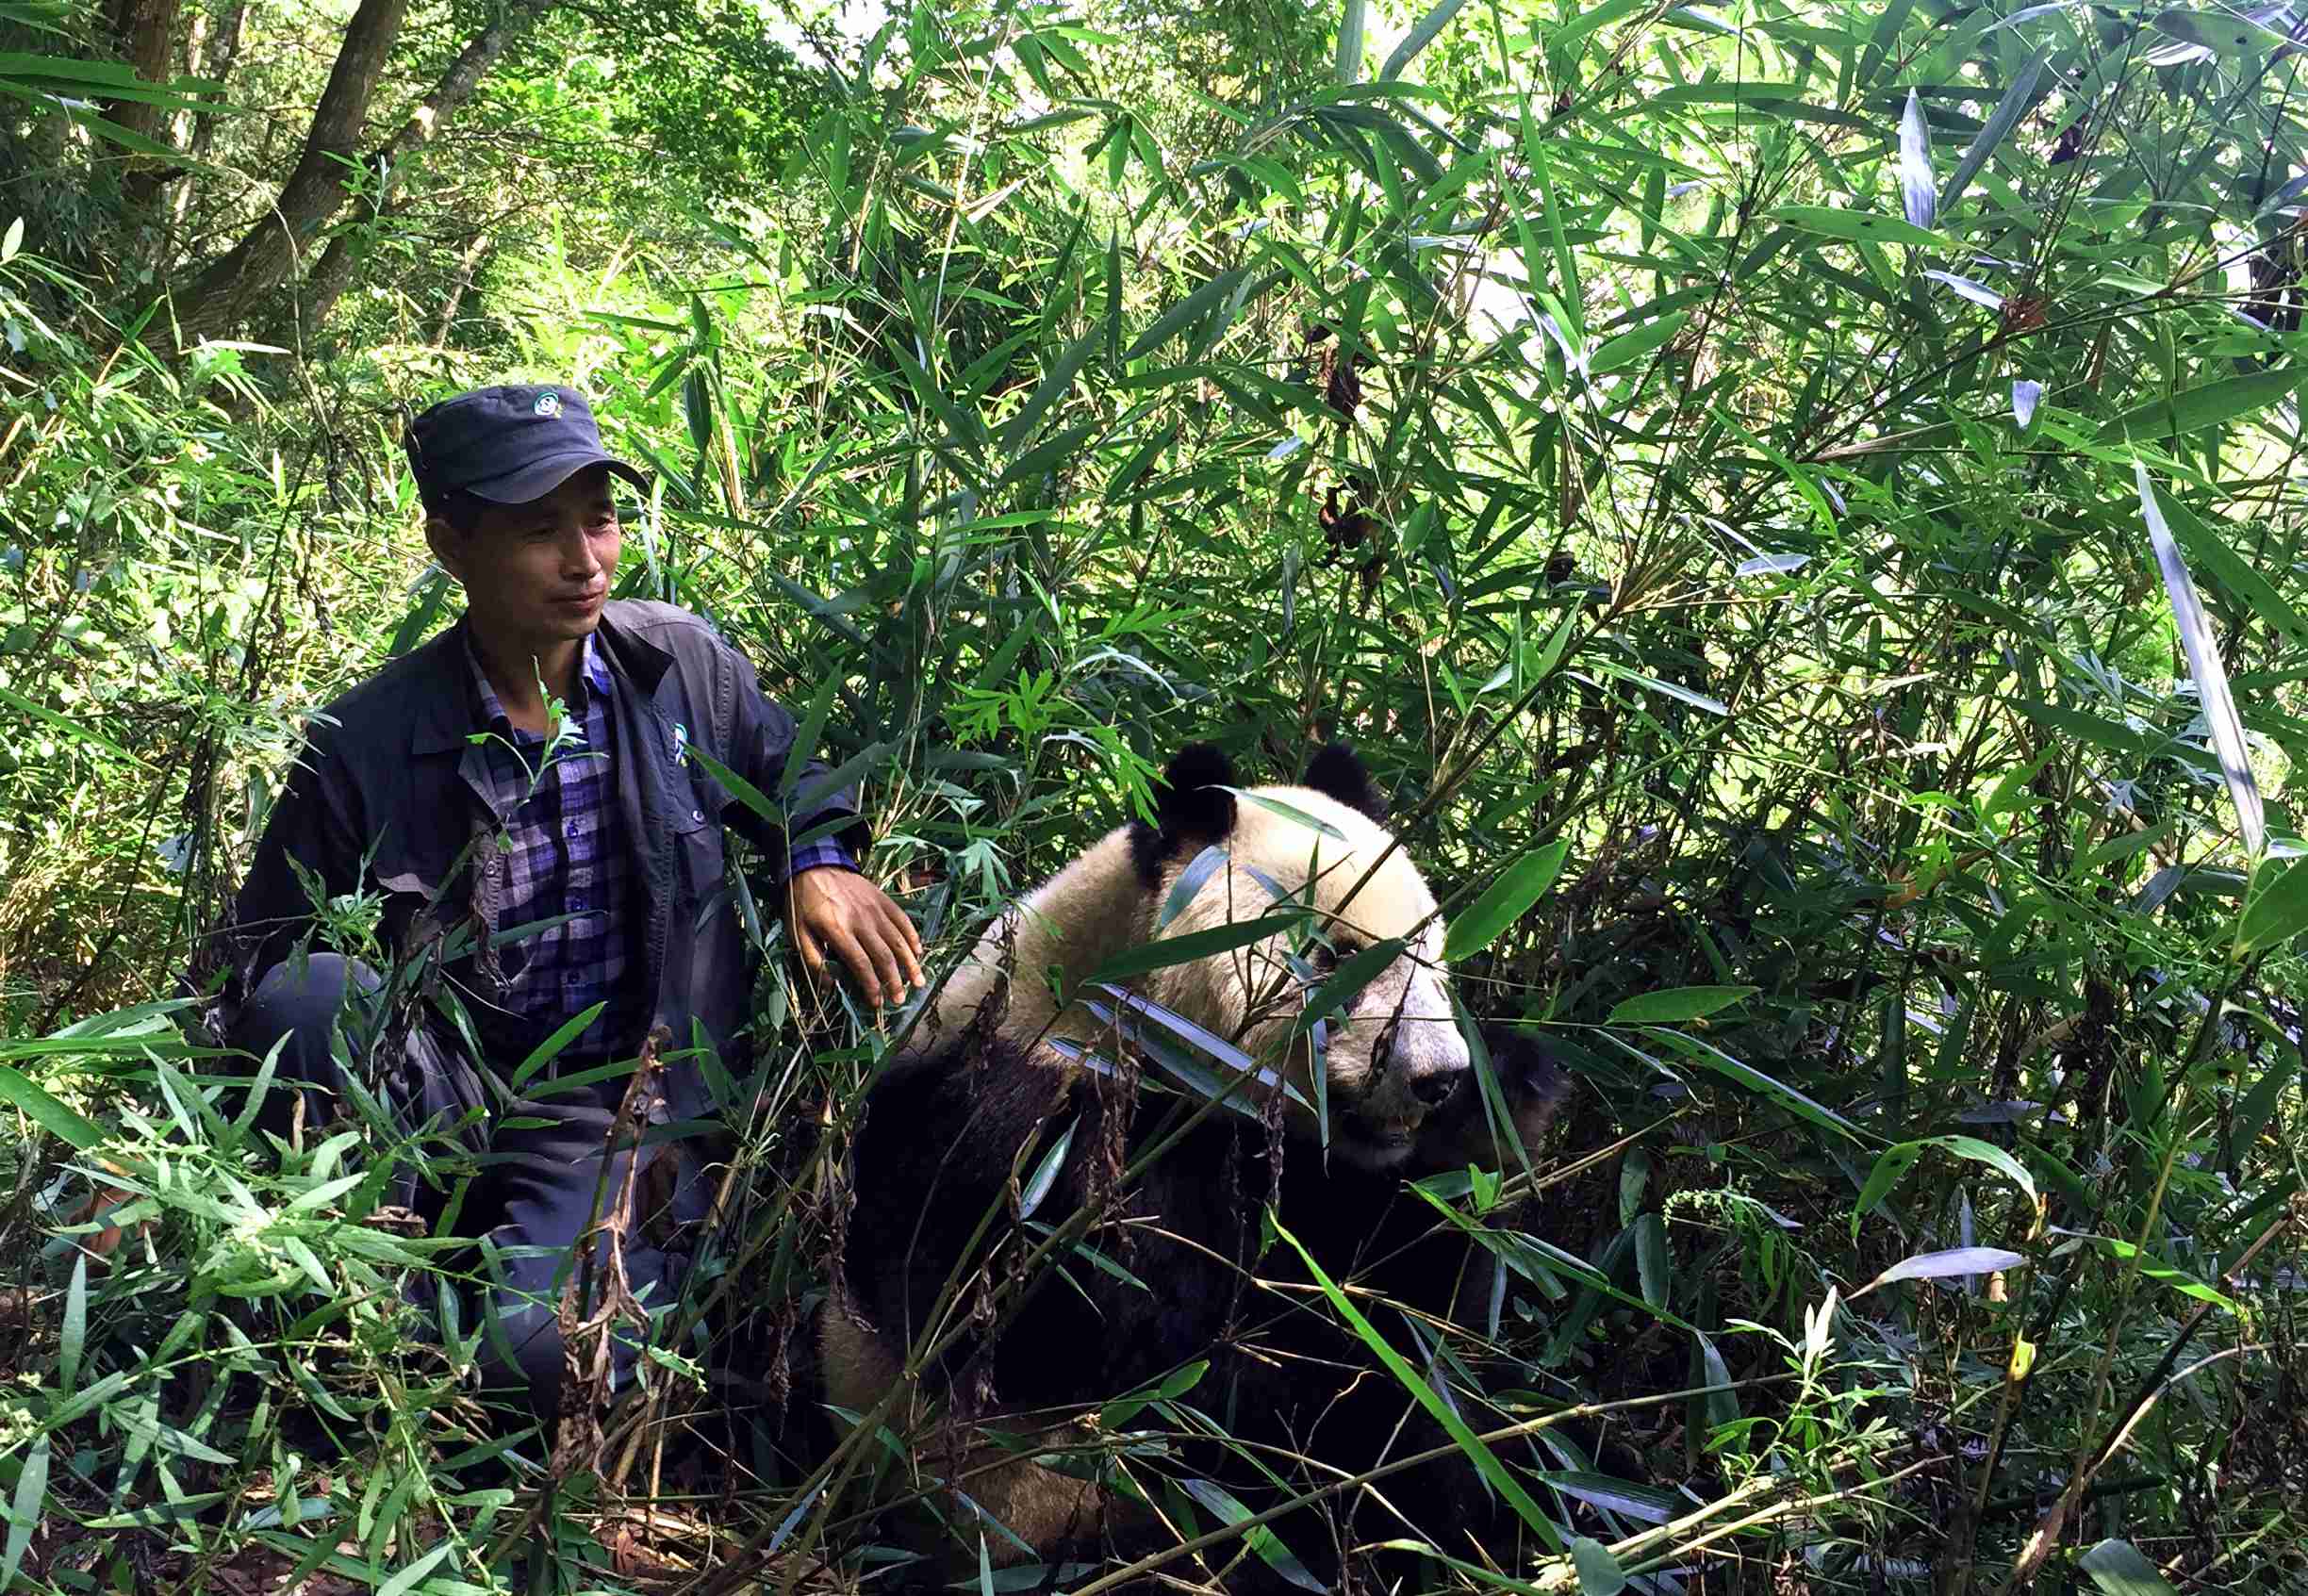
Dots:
{"x": 310, "y": 825}
{"x": 761, "y": 742}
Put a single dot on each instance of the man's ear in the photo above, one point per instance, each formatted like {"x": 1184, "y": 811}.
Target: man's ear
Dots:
{"x": 447, "y": 543}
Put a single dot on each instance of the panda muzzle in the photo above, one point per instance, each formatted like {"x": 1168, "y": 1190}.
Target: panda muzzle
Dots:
{"x": 1425, "y": 1060}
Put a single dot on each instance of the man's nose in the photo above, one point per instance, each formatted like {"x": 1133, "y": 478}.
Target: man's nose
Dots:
{"x": 577, "y": 556}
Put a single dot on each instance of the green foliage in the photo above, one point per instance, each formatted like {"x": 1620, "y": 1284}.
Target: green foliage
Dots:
{"x": 1802, "y": 725}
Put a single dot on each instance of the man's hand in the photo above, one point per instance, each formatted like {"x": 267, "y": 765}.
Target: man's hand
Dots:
{"x": 842, "y": 912}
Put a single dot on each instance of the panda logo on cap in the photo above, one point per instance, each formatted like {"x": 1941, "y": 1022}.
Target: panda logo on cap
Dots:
{"x": 548, "y": 404}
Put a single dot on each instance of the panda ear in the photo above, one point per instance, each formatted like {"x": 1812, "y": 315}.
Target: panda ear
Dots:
{"x": 1335, "y": 771}
{"x": 1191, "y": 805}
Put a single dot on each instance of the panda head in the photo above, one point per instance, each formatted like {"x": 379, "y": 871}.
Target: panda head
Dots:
{"x": 1395, "y": 1052}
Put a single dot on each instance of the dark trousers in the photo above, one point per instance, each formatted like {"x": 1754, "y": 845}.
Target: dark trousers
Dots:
{"x": 536, "y": 1184}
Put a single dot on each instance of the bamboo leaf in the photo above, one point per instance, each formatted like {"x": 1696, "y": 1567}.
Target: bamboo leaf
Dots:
{"x": 1046, "y": 1173}
{"x": 2210, "y": 675}
{"x": 1915, "y": 165}
{"x": 2009, "y": 109}
{"x": 412, "y": 1576}
{"x": 1423, "y": 1391}
{"x": 2277, "y": 911}
{"x": 1198, "y": 870}
{"x": 1599, "y": 1574}
{"x": 2117, "y": 1568}
{"x": 1259, "y": 1537}
{"x": 1523, "y": 883}
{"x": 847, "y": 774}
{"x": 1653, "y": 1268}
{"x": 1186, "y": 312}
{"x": 1715, "y": 1406}
{"x": 1350, "y": 978}
{"x": 1421, "y": 35}
{"x": 49, "y": 717}
{"x": 72, "y": 1337}
{"x": 59, "y": 1119}
{"x": 1143, "y": 1011}
{"x": 1859, "y": 226}
{"x": 1289, "y": 812}
{"x": 1676, "y": 1006}
{"x": 1756, "y": 1080}
{"x": 1896, "y": 1160}
{"x": 1053, "y": 388}
{"x": 1592, "y": 20}
{"x": 2259, "y": 1106}
{"x": 1629, "y": 346}
{"x": 1883, "y": 37}
{"x": 550, "y": 1049}
{"x": 1948, "y": 1262}
{"x": 2205, "y": 406}
{"x": 1162, "y": 952}
{"x": 1978, "y": 293}
{"x": 25, "y": 1509}
{"x": 1645, "y": 1501}
{"x": 2025, "y": 396}
{"x": 2209, "y": 544}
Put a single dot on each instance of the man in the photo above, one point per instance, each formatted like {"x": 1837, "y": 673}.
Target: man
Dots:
{"x": 534, "y": 867}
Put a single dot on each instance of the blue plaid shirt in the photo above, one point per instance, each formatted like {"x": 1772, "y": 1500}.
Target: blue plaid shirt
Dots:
{"x": 568, "y": 855}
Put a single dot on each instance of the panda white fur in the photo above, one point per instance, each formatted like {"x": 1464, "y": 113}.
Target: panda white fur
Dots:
{"x": 999, "y": 1074}
{"x": 1392, "y": 1058}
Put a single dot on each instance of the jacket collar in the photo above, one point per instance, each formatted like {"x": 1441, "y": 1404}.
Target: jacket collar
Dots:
{"x": 448, "y": 701}
{"x": 632, "y": 656}
{"x": 446, "y": 708}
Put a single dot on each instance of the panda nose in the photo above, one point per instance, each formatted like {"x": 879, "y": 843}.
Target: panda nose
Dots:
{"x": 1425, "y": 1059}
{"x": 1434, "y": 1087}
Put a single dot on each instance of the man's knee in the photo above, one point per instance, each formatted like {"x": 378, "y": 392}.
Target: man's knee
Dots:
{"x": 294, "y": 1009}
{"x": 521, "y": 1346}
{"x": 299, "y": 1002}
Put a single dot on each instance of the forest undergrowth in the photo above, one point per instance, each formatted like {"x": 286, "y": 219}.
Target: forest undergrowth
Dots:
{"x": 1798, "y": 506}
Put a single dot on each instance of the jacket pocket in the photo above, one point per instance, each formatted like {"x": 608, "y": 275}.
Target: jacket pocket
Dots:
{"x": 699, "y": 847}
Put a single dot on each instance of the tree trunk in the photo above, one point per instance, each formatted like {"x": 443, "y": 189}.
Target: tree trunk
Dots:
{"x": 476, "y": 252}
{"x": 181, "y": 125}
{"x": 145, "y": 31}
{"x": 195, "y": 56}
{"x": 334, "y": 274}
{"x": 218, "y": 69}
{"x": 224, "y": 293}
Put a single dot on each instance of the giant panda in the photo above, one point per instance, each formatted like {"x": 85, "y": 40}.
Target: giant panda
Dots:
{"x": 947, "y": 1176}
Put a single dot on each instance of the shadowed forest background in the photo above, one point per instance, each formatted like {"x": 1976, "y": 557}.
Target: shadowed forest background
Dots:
{"x": 1800, "y": 503}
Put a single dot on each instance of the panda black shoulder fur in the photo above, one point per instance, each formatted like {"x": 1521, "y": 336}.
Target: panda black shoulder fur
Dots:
{"x": 952, "y": 1131}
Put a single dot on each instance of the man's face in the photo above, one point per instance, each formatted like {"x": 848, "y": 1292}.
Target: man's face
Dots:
{"x": 536, "y": 573}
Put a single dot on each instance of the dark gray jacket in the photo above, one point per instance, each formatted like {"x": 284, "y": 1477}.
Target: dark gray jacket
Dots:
{"x": 391, "y": 769}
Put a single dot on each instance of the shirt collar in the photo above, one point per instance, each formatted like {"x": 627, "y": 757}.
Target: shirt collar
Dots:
{"x": 592, "y": 676}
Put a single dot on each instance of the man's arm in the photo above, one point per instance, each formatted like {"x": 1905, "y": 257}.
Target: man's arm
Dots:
{"x": 829, "y": 904}
{"x": 762, "y": 740}
{"x": 308, "y": 827}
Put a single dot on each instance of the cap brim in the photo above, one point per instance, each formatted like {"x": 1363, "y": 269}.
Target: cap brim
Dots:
{"x": 540, "y": 477}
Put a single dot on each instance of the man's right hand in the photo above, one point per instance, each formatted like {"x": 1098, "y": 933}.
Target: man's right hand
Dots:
{"x": 840, "y": 911}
